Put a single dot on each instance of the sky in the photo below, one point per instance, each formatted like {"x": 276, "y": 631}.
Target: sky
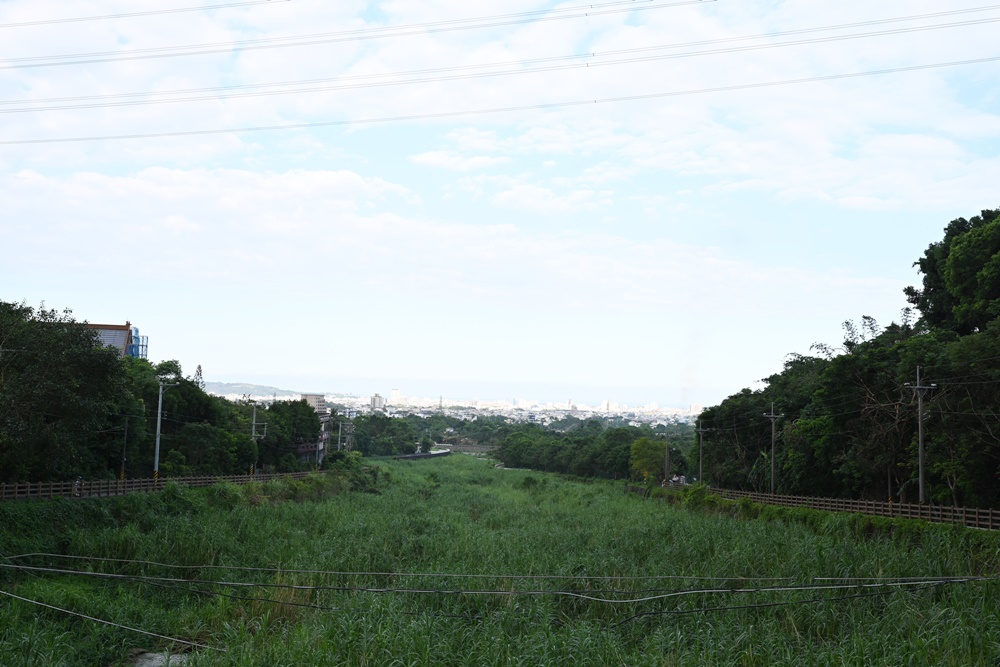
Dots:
{"x": 638, "y": 201}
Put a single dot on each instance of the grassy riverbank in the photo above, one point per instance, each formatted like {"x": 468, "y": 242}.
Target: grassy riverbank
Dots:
{"x": 552, "y": 572}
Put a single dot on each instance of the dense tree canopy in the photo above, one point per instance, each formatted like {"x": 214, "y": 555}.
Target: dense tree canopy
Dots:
{"x": 70, "y": 407}
{"x": 850, "y": 424}
{"x": 961, "y": 276}
{"x": 63, "y": 398}
{"x": 593, "y": 450}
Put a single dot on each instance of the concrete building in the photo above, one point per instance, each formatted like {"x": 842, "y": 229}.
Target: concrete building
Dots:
{"x": 123, "y": 337}
{"x": 316, "y": 401}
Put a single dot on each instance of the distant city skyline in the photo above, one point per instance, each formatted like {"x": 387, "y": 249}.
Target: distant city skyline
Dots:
{"x": 466, "y": 391}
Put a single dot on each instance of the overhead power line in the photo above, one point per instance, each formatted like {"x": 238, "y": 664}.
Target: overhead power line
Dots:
{"x": 497, "y": 110}
{"x": 334, "y": 37}
{"x": 534, "y": 61}
{"x": 205, "y": 96}
{"x": 152, "y": 12}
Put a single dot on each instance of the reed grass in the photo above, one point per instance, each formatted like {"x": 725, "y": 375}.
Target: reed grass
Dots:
{"x": 459, "y": 515}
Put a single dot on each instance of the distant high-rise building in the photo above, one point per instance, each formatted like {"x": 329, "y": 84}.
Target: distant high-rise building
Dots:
{"x": 396, "y": 397}
{"x": 316, "y": 401}
{"x": 378, "y": 402}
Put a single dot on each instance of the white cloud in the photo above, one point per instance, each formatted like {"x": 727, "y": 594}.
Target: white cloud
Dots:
{"x": 454, "y": 162}
{"x": 513, "y": 228}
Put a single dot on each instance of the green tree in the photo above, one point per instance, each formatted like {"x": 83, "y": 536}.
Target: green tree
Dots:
{"x": 63, "y": 398}
{"x": 377, "y": 434}
{"x": 961, "y": 275}
{"x": 647, "y": 459}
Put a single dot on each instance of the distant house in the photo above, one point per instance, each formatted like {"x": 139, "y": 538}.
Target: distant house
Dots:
{"x": 123, "y": 337}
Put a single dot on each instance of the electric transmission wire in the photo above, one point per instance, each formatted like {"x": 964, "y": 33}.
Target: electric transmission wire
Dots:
{"x": 455, "y": 77}
{"x": 763, "y": 605}
{"x": 398, "y": 574}
{"x": 521, "y": 63}
{"x": 498, "y": 110}
{"x": 150, "y": 12}
{"x": 500, "y": 592}
{"x": 311, "y": 40}
{"x": 111, "y": 623}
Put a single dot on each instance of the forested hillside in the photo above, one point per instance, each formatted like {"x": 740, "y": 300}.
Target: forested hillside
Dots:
{"x": 850, "y": 414}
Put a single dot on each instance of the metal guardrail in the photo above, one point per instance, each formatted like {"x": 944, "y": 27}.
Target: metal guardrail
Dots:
{"x": 972, "y": 517}
{"x": 108, "y": 488}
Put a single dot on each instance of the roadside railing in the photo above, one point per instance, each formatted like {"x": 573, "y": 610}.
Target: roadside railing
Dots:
{"x": 108, "y": 488}
{"x": 972, "y": 517}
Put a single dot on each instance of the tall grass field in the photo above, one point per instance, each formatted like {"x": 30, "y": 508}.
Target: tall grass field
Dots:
{"x": 454, "y": 562}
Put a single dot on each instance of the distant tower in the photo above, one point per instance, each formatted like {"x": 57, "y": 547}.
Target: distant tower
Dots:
{"x": 378, "y": 402}
{"x": 441, "y": 402}
{"x": 395, "y": 397}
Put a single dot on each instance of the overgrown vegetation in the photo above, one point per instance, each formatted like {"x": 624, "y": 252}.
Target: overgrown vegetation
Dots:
{"x": 366, "y": 578}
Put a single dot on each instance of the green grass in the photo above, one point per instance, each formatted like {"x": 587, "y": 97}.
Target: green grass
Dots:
{"x": 459, "y": 515}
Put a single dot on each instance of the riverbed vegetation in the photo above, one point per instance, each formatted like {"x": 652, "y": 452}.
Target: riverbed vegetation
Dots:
{"x": 452, "y": 561}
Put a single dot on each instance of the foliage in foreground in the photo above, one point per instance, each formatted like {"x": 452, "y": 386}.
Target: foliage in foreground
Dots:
{"x": 497, "y": 528}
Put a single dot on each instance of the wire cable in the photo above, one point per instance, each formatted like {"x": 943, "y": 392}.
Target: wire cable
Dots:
{"x": 497, "y": 592}
{"x": 764, "y": 605}
{"x": 498, "y": 110}
{"x": 461, "y": 77}
{"x": 111, "y": 623}
{"x": 401, "y": 574}
{"x": 438, "y": 70}
{"x": 312, "y": 40}
{"x": 151, "y": 12}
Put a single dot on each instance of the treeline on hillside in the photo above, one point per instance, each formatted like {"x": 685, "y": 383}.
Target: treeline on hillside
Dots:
{"x": 70, "y": 407}
{"x": 850, "y": 419}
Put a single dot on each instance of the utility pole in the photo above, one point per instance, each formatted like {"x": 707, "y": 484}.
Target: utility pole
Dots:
{"x": 253, "y": 434}
{"x": 774, "y": 433}
{"x": 920, "y": 391}
{"x": 159, "y": 417}
{"x": 121, "y": 475}
{"x": 701, "y": 436}
{"x": 666, "y": 459}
